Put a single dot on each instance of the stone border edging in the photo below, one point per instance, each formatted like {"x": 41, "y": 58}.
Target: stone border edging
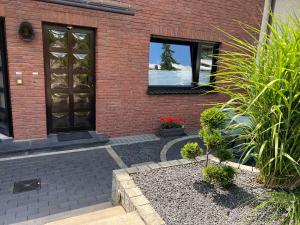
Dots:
{"x": 126, "y": 193}
{"x": 163, "y": 153}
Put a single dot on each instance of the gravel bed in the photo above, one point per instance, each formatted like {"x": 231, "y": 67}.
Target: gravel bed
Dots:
{"x": 180, "y": 196}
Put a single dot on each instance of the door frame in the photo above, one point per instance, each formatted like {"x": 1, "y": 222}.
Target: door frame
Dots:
{"x": 46, "y": 25}
{"x": 5, "y": 78}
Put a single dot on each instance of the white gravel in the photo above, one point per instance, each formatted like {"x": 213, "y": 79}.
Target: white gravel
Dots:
{"x": 180, "y": 196}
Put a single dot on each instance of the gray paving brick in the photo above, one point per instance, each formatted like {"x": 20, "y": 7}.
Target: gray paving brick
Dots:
{"x": 69, "y": 181}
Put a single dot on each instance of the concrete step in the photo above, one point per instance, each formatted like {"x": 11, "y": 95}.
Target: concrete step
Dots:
{"x": 132, "y": 218}
{"x": 91, "y": 217}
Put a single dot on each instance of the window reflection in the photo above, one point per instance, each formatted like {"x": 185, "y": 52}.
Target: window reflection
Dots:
{"x": 59, "y": 80}
{"x": 81, "y": 81}
{"x": 81, "y": 61}
{"x": 58, "y": 60}
{"x": 206, "y": 64}
{"x": 170, "y": 64}
{"x": 81, "y": 42}
{"x": 57, "y": 39}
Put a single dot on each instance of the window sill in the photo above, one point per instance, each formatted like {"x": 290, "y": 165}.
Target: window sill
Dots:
{"x": 101, "y": 6}
{"x": 162, "y": 90}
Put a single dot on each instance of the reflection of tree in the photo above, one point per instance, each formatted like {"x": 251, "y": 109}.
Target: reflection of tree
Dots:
{"x": 81, "y": 41}
{"x": 206, "y": 52}
{"x": 57, "y": 39}
{"x": 167, "y": 58}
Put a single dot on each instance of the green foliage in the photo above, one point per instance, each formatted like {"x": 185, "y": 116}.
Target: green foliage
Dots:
{"x": 191, "y": 150}
{"x": 220, "y": 175}
{"x": 224, "y": 154}
{"x": 213, "y": 139}
{"x": 167, "y": 58}
{"x": 212, "y": 118}
{"x": 263, "y": 83}
{"x": 170, "y": 125}
{"x": 276, "y": 207}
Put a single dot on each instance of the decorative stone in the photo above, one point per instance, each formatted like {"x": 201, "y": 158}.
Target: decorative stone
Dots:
{"x": 133, "y": 192}
{"x": 164, "y": 164}
{"x": 139, "y": 200}
{"x": 153, "y": 166}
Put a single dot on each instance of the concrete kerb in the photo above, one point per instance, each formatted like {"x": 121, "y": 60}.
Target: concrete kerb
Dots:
{"x": 163, "y": 153}
{"x": 126, "y": 193}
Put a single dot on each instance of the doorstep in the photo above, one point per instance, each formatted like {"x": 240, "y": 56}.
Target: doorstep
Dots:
{"x": 52, "y": 142}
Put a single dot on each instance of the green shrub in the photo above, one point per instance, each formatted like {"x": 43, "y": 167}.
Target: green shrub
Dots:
{"x": 212, "y": 118}
{"x": 267, "y": 77}
{"x": 271, "y": 207}
{"x": 213, "y": 139}
{"x": 224, "y": 154}
{"x": 191, "y": 150}
{"x": 220, "y": 175}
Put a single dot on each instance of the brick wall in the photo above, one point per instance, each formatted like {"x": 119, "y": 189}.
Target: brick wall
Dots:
{"x": 122, "y": 55}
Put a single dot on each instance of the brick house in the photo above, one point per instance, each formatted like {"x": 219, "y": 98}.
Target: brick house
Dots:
{"x": 97, "y": 65}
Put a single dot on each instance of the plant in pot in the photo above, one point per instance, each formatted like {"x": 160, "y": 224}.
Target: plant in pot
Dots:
{"x": 171, "y": 126}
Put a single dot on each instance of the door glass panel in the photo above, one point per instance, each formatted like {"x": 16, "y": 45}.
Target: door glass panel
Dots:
{"x": 60, "y": 120}
{"x": 81, "y": 81}
{"x": 82, "y": 119}
{"x": 81, "y": 42}
{"x": 59, "y": 80}
{"x": 57, "y": 39}
{"x": 81, "y": 61}
{"x": 58, "y": 60}
{"x": 81, "y": 101}
{"x": 60, "y": 102}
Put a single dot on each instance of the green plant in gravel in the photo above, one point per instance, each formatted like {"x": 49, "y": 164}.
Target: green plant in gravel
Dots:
{"x": 213, "y": 118}
{"x": 224, "y": 155}
{"x": 212, "y": 121}
{"x": 211, "y": 130}
{"x": 221, "y": 175}
{"x": 191, "y": 150}
{"x": 270, "y": 208}
{"x": 267, "y": 78}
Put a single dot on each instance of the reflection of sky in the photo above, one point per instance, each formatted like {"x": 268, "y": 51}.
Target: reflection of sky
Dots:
{"x": 181, "y": 54}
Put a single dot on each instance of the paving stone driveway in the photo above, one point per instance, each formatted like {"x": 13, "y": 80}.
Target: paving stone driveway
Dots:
{"x": 69, "y": 181}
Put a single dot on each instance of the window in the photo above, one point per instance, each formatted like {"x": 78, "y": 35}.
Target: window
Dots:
{"x": 180, "y": 66}
{"x": 170, "y": 64}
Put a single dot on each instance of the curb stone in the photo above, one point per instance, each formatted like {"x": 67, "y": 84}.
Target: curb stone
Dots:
{"x": 126, "y": 193}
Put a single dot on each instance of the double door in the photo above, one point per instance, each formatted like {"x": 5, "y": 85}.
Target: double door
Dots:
{"x": 70, "y": 78}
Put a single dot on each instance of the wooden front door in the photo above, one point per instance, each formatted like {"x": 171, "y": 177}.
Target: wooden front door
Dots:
{"x": 70, "y": 78}
{"x": 5, "y": 113}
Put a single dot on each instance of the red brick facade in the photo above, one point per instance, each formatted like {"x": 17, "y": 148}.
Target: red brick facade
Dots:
{"x": 122, "y": 55}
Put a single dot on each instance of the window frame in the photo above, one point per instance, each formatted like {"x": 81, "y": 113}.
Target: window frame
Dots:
{"x": 195, "y": 51}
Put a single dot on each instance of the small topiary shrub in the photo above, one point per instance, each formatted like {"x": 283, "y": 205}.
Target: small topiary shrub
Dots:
{"x": 220, "y": 175}
{"x": 213, "y": 118}
{"x": 212, "y": 138}
{"x": 191, "y": 150}
{"x": 224, "y": 155}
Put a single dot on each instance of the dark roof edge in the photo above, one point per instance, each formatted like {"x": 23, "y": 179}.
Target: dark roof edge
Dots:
{"x": 95, "y": 6}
